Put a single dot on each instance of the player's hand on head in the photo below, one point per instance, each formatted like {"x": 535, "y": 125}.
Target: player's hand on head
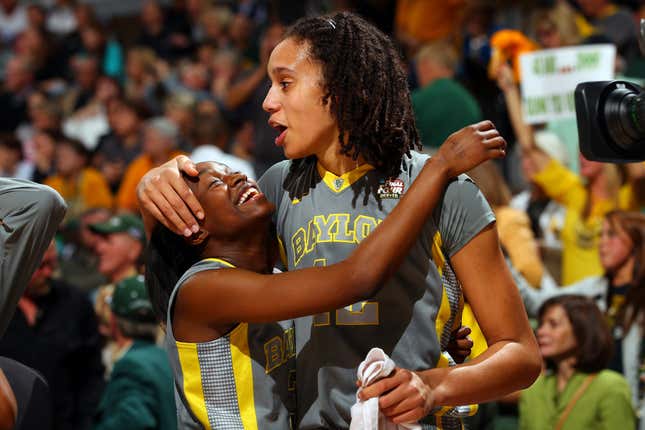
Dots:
{"x": 403, "y": 396}
{"x": 469, "y": 147}
{"x": 163, "y": 193}
{"x": 460, "y": 345}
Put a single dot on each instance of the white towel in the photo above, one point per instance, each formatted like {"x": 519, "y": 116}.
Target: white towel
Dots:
{"x": 366, "y": 414}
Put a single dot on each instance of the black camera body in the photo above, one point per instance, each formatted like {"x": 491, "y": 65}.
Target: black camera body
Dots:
{"x": 611, "y": 121}
{"x": 611, "y": 118}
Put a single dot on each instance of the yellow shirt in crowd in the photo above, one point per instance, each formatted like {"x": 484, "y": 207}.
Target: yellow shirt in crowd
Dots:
{"x": 88, "y": 190}
{"x": 580, "y": 257}
{"x": 126, "y": 198}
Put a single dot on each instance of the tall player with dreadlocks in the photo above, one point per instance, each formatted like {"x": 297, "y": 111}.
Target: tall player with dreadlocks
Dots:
{"x": 341, "y": 105}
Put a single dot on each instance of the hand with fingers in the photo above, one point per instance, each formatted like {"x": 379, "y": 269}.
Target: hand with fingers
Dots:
{"x": 403, "y": 396}
{"x": 164, "y": 196}
{"x": 471, "y": 146}
{"x": 460, "y": 345}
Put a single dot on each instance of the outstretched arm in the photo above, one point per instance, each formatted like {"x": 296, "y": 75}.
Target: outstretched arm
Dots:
{"x": 222, "y": 297}
{"x": 29, "y": 216}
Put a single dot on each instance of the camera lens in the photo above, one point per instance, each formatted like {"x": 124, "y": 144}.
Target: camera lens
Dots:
{"x": 624, "y": 116}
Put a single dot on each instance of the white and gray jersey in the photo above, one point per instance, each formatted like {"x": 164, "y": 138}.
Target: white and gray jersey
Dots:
{"x": 241, "y": 381}
{"x": 412, "y": 316}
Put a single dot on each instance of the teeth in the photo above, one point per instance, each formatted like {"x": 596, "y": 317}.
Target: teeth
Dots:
{"x": 247, "y": 195}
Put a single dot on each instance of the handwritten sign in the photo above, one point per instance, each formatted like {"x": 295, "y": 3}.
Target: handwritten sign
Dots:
{"x": 550, "y": 76}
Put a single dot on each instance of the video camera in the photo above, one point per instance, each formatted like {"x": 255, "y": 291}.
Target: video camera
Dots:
{"x": 611, "y": 118}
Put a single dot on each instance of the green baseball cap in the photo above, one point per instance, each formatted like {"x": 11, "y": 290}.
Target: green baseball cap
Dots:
{"x": 130, "y": 300}
{"x": 122, "y": 223}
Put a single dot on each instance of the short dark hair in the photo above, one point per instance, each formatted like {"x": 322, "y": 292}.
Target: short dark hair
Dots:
{"x": 593, "y": 338}
{"x": 367, "y": 91}
{"x": 76, "y": 145}
{"x": 12, "y": 143}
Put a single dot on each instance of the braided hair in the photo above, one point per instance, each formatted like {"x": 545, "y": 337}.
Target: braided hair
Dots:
{"x": 367, "y": 90}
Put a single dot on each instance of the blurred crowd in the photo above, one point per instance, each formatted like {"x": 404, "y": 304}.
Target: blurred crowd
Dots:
{"x": 89, "y": 104}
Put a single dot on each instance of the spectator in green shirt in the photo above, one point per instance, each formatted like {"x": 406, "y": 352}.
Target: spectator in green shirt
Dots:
{"x": 441, "y": 104}
{"x": 575, "y": 392}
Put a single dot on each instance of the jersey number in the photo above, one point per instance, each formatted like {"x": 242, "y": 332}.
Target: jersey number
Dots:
{"x": 362, "y": 313}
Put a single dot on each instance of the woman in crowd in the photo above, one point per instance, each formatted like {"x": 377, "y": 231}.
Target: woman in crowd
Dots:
{"x": 619, "y": 292}
{"x": 340, "y": 104}
{"x": 575, "y": 392}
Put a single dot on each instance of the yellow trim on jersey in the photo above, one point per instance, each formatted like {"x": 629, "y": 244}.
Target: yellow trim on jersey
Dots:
{"x": 444, "y": 312}
{"x": 219, "y": 260}
{"x": 193, "y": 389}
{"x": 243, "y": 373}
{"x": 283, "y": 254}
{"x": 437, "y": 255}
{"x": 348, "y": 178}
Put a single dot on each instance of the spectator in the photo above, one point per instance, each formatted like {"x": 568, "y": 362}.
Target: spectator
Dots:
{"x": 141, "y": 74}
{"x": 86, "y": 71}
{"x": 12, "y": 163}
{"x": 587, "y": 198}
{"x": 441, "y": 105}
{"x": 418, "y": 22}
{"x": 61, "y": 20}
{"x": 210, "y": 139}
{"x": 140, "y": 392}
{"x": 245, "y": 98}
{"x": 18, "y": 84}
{"x": 90, "y": 122}
{"x": 13, "y": 20}
{"x": 44, "y": 154}
{"x": 120, "y": 246}
{"x": 119, "y": 249}
{"x": 55, "y": 332}
{"x": 159, "y": 145}
{"x": 72, "y": 44}
{"x": 79, "y": 261}
{"x": 215, "y": 22}
{"x": 547, "y": 216}
{"x": 575, "y": 392}
{"x": 154, "y": 33}
{"x": 82, "y": 187}
{"x": 121, "y": 145}
{"x": 179, "y": 110}
{"x": 614, "y": 22}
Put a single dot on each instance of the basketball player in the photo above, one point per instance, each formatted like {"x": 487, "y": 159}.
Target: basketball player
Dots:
{"x": 340, "y": 103}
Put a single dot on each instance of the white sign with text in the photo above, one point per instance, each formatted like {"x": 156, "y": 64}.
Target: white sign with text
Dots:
{"x": 550, "y": 76}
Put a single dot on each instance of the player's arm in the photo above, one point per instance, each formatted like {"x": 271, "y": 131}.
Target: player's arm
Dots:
{"x": 511, "y": 362}
{"x": 247, "y": 296}
{"x": 29, "y": 217}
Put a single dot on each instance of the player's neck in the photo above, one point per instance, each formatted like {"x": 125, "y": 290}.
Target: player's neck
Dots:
{"x": 333, "y": 161}
{"x": 252, "y": 252}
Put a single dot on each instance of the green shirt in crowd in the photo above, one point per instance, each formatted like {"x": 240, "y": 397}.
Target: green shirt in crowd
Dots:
{"x": 441, "y": 108}
{"x": 606, "y": 403}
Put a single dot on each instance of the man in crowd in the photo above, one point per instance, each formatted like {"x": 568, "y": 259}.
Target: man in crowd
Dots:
{"x": 55, "y": 332}
{"x": 140, "y": 392}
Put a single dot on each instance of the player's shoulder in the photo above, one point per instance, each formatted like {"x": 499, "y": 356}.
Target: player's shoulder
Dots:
{"x": 275, "y": 173}
{"x": 412, "y": 164}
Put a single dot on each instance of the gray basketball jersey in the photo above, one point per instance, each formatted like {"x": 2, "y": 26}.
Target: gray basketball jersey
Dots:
{"x": 241, "y": 381}
{"x": 412, "y": 316}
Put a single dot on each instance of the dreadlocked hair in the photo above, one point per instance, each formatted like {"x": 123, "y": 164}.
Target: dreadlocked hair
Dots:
{"x": 367, "y": 90}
